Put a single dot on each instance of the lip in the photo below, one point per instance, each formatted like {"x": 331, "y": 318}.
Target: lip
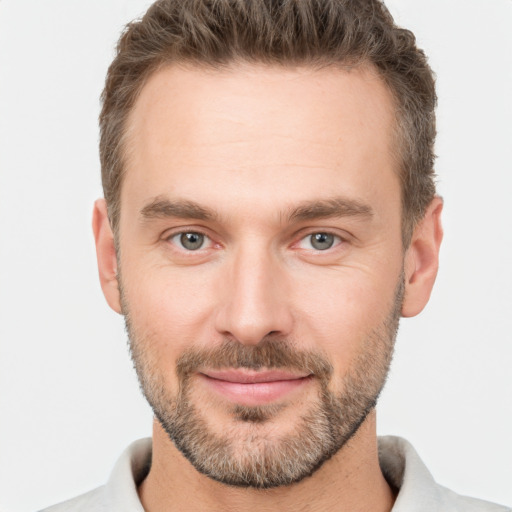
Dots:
{"x": 252, "y": 388}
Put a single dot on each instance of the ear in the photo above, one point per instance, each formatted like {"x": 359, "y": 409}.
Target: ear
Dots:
{"x": 106, "y": 254}
{"x": 422, "y": 259}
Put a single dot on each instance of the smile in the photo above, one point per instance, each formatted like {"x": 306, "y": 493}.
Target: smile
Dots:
{"x": 253, "y": 388}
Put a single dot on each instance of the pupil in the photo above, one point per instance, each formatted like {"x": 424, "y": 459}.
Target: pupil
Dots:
{"x": 322, "y": 241}
{"x": 192, "y": 241}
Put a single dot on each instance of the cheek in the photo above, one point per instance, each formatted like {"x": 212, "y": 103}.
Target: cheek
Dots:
{"x": 338, "y": 315}
{"x": 168, "y": 311}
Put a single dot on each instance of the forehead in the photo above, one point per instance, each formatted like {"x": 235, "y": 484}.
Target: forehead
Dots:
{"x": 262, "y": 129}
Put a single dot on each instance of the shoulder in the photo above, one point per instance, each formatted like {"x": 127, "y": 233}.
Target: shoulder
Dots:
{"x": 458, "y": 502}
{"x": 120, "y": 491}
{"x": 92, "y": 501}
{"x": 417, "y": 489}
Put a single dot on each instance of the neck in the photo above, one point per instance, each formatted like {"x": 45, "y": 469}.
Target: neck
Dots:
{"x": 350, "y": 480}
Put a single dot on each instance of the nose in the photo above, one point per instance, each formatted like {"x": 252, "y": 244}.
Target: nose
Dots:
{"x": 254, "y": 300}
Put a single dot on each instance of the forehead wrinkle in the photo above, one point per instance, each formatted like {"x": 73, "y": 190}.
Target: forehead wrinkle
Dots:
{"x": 161, "y": 207}
{"x": 328, "y": 208}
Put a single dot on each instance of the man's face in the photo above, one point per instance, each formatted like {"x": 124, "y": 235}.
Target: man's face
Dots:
{"x": 261, "y": 262}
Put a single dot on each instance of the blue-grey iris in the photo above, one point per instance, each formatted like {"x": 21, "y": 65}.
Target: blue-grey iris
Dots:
{"x": 192, "y": 241}
{"x": 322, "y": 241}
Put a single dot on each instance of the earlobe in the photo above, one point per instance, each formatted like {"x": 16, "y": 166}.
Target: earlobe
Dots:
{"x": 422, "y": 260}
{"x": 106, "y": 254}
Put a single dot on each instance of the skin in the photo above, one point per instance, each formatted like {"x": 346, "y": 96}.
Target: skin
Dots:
{"x": 252, "y": 144}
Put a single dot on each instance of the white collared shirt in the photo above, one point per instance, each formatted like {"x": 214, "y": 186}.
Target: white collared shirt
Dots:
{"x": 401, "y": 465}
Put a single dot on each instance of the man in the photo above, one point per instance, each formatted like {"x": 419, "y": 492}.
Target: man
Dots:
{"x": 269, "y": 214}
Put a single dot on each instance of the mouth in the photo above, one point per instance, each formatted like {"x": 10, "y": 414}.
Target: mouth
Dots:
{"x": 254, "y": 388}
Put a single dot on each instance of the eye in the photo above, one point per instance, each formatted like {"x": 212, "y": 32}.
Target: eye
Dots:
{"x": 190, "y": 240}
{"x": 320, "y": 241}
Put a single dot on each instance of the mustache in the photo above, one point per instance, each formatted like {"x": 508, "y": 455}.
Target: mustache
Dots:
{"x": 269, "y": 353}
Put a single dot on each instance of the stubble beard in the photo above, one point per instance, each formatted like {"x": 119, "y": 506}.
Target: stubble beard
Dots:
{"x": 247, "y": 457}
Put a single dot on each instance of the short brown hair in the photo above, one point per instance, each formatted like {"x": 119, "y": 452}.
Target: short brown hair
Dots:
{"x": 285, "y": 32}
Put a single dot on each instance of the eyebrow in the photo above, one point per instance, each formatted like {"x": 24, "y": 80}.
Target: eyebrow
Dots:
{"x": 330, "y": 208}
{"x": 162, "y": 208}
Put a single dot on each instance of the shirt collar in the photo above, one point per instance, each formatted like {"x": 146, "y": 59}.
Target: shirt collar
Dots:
{"x": 404, "y": 470}
{"x": 129, "y": 471}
